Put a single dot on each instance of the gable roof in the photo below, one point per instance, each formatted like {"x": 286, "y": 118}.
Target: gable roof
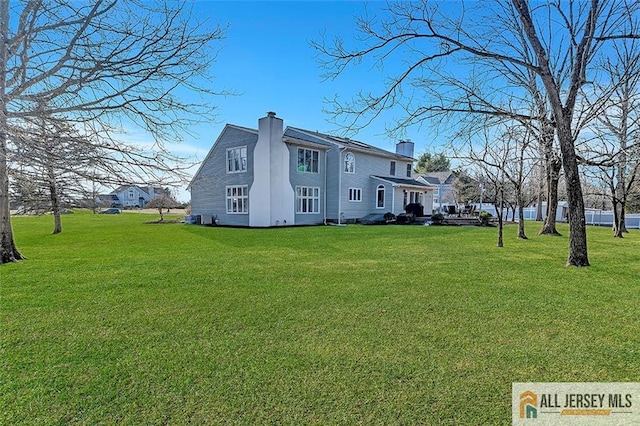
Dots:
{"x": 312, "y": 138}
{"x": 350, "y": 144}
{"x": 227, "y": 126}
{"x": 438, "y": 178}
{"x": 430, "y": 180}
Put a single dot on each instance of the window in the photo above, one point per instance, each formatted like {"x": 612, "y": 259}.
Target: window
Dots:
{"x": 307, "y": 199}
{"x": 131, "y": 195}
{"x": 415, "y": 197}
{"x": 237, "y": 199}
{"x": 237, "y": 159}
{"x": 412, "y": 197}
{"x": 409, "y": 170}
{"x": 355, "y": 194}
{"x": 392, "y": 169}
{"x": 380, "y": 197}
{"x": 349, "y": 163}
{"x": 308, "y": 160}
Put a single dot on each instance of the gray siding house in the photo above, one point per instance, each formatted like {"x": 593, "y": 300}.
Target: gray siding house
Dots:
{"x": 274, "y": 176}
{"x": 131, "y": 196}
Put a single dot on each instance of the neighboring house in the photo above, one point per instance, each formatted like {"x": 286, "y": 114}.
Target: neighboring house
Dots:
{"x": 108, "y": 200}
{"x": 128, "y": 196}
{"x": 442, "y": 182}
{"x": 274, "y": 176}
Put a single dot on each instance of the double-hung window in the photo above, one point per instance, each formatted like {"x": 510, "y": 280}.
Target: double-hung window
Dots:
{"x": 308, "y": 160}
{"x": 237, "y": 159}
{"x": 237, "y": 199}
{"x": 307, "y": 199}
{"x": 409, "y": 170}
{"x": 392, "y": 168}
{"x": 355, "y": 194}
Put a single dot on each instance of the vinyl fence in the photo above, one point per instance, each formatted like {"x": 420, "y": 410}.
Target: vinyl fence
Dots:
{"x": 592, "y": 216}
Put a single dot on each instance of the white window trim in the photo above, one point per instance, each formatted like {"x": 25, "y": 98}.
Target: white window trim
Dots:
{"x": 246, "y": 160}
{"x": 228, "y": 197}
{"x": 378, "y": 188}
{"x": 409, "y": 169}
{"x": 355, "y": 191}
{"x": 394, "y": 168}
{"x": 299, "y": 199}
{"x": 312, "y": 151}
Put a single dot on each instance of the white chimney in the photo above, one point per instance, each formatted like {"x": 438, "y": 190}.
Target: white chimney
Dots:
{"x": 271, "y": 196}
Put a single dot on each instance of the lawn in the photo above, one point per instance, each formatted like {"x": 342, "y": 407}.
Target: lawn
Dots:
{"x": 116, "y": 321}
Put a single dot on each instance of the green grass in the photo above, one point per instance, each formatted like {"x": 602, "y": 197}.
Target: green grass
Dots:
{"x": 115, "y": 321}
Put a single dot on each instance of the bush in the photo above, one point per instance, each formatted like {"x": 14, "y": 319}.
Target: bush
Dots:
{"x": 437, "y": 218}
{"x": 388, "y": 216}
{"x": 485, "y": 218}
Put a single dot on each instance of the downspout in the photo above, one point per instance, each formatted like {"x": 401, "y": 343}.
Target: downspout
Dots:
{"x": 393, "y": 198}
{"x": 326, "y": 156}
{"x": 340, "y": 182}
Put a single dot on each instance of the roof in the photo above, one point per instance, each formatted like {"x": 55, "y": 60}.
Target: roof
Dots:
{"x": 108, "y": 196}
{"x": 146, "y": 189}
{"x": 431, "y": 180}
{"x": 317, "y": 137}
{"x": 253, "y": 132}
{"x": 403, "y": 181}
{"x": 442, "y": 177}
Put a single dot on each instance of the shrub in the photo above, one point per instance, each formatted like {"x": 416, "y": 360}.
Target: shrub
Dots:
{"x": 388, "y": 216}
{"x": 485, "y": 218}
{"x": 437, "y": 218}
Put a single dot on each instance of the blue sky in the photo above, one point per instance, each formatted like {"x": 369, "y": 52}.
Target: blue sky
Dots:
{"x": 267, "y": 59}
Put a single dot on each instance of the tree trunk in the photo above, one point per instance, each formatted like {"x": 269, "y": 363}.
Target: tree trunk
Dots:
{"x": 521, "y": 234}
{"x": 500, "y": 224}
{"x": 552, "y": 167}
{"x": 55, "y": 200}
{"x": 619, "y": 226}
{"x": 578, "y": 254}
{"x": 8, "y": 250}
{"x": 623, "y": 223}
{"x": 539, "y": 217}
{"x": 549, "y": 225}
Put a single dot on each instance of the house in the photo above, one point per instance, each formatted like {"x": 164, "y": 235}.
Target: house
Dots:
{"x": 442, "y": 182}
{"x": 131, "y": 196}
{"x": 273, "y": 176}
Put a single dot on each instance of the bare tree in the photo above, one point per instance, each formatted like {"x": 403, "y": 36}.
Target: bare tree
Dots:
{"x": 564, "y": 38}
{"x": 615, "y": 148}
{"x": 504, "y": 156}
{"x": 162, "y": 202}
{"x": 103, "y": 66}
{"x": 55, "y": 158}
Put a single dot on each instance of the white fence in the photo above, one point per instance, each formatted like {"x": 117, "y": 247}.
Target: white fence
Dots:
{"x": 592, "y": 216}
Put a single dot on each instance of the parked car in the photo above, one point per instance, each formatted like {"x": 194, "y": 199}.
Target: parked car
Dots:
{"x": 110, "y": 211}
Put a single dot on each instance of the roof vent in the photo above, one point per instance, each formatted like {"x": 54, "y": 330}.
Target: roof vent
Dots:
{"x": 271, "y": 114}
